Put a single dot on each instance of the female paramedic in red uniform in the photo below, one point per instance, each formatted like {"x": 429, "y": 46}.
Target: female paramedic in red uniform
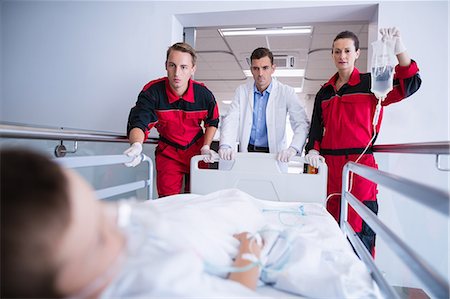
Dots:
{"x": 176, "y": 105}
{"x": 341, "y": 125}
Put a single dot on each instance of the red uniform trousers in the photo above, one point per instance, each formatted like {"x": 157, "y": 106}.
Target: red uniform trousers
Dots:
{"x": 172, "y": 166}
{"x": 363, "y": 189}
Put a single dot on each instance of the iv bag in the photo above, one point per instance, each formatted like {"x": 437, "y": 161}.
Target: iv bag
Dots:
{"x": 383, "y": 65}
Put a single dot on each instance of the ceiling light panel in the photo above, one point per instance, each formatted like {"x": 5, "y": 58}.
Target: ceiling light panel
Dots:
{"x": 266, "y": 31}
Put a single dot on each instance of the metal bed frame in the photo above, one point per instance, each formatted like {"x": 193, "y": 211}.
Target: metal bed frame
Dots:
{"x": 423, "y": 194}
{"x": 77, "y": 162}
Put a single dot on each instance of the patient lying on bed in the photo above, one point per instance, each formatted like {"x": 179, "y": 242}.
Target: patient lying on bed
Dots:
{"x": 57, "y": 240}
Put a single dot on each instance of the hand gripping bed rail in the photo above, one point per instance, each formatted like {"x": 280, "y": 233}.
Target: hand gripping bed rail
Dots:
{"x": 85, "y": 161}
{"x": 435, "y": 199}
{"x": 262, "y": 176}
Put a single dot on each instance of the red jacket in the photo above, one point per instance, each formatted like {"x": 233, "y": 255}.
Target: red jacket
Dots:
{"x": 178, "y": 119}
{"x": 343, "y": 119}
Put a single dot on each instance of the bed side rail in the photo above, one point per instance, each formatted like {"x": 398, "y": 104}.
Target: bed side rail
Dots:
{"x": 86, "y": 161}
{"x": 440, "y": 148}
{"x": 429, "y": 196}
{"x": 22, "y": 131}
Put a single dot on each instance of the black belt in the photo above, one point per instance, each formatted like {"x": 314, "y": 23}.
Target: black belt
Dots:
{"x": 346, "y": 151}
{"x": 259, "y": 149}
{"x": 182, "y": 147}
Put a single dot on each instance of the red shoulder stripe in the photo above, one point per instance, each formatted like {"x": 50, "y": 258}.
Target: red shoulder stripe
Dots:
{"x": 147, "y": 86}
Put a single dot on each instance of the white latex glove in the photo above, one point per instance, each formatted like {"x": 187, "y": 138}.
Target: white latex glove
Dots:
{"x": 286, "y": 154}
{"x": 313, "y": 158}
{"x": 227, "y": 153}
{"x": 211, "y": 155}
{"x": 134, "y": 151}
{"x": 394, "y": 35}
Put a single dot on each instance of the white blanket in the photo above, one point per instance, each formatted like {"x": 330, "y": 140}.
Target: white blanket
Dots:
{"x": 185, "y": 232}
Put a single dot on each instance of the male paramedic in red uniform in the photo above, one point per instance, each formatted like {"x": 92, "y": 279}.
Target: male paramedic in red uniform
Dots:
{"x": 176, "y": 105}
{"x": 341, "y": 126}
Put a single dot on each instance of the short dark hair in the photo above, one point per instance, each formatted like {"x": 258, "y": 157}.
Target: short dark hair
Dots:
{"x": 185, "y": 48}
{"x": 259, "y": 53}
{"x": 347, "y": 34}
{"x": 35, "y": 213}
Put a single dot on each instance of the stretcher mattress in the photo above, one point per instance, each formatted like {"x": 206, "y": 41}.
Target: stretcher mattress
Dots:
{"x": 319, "y": 264}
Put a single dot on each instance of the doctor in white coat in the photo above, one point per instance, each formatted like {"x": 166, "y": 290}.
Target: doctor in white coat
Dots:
{"x": 257, "y": 116}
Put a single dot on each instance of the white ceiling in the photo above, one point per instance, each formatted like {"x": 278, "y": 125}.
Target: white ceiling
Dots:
{"x": 222, "y": 59}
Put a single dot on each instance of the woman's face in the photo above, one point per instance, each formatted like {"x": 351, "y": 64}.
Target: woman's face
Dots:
{"x": 344, "y": 54}
{"x": 91, "y": 245}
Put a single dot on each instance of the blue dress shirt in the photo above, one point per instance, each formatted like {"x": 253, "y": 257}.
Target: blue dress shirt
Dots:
{"x": 258, "y": 135}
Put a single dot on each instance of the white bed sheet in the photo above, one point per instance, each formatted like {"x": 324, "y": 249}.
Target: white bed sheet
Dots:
{"x": 321, "y": 264}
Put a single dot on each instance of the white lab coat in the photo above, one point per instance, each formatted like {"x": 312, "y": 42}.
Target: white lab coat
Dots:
{"x": 237, "y": 123}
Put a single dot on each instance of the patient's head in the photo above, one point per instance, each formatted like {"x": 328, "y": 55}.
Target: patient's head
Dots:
{"x": 56, "y": 238}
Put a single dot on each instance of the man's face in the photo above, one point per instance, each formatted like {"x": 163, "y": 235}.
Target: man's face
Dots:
{"x": 180, "y": 69}
{"x": 262, "y": 70}
{"x": 345, "y": 54}
{"x": 91, "y": 245}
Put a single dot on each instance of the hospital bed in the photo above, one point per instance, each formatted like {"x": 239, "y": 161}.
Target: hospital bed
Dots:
{"x": 260, "y": 176}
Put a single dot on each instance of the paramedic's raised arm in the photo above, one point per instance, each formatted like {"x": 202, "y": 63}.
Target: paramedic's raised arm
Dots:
{"x": 403, "y": 59}
{"x": 406, "y": 78}
{"x": 399, "y": 48}
{"x": 248, "y": 246}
